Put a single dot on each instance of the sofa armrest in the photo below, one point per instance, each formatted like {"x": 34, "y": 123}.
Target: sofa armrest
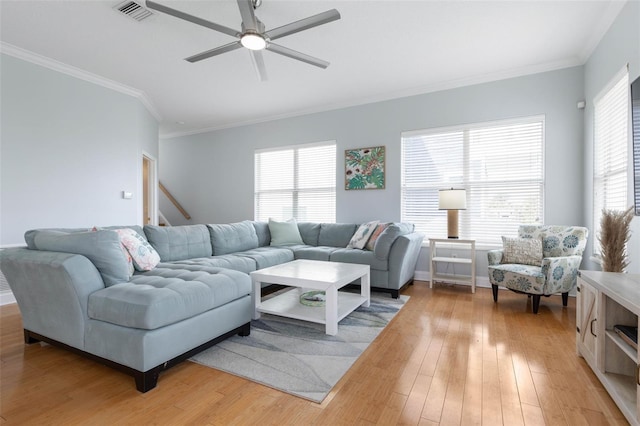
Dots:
{"x": 52, "y": 290}
{"x": 494, "y": 256}
{"x": 403, "y": 257}
{"x": 388, "y": 237}
{"x": 561, "y": 273}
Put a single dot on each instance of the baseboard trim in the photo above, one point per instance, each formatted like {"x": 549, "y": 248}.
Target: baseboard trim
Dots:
{"x": 7, "y": 298}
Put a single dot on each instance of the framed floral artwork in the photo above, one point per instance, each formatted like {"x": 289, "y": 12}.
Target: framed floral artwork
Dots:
{"x": 364, "y": 168}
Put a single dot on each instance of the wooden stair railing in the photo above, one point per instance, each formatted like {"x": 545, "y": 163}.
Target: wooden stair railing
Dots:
{"x": 174, "y": 201}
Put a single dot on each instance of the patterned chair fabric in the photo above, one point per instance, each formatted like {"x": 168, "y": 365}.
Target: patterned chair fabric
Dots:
{"x": 562, "y": 248}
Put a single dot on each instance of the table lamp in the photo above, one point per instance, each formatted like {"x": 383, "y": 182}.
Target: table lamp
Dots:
{"x": 452, "y": 200}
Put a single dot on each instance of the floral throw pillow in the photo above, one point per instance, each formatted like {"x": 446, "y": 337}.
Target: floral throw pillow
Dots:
{"x": 523, "y": 251}
{"x": 144, "y": 256}
{"x": 362, "y": 235}
{"x": 371, "y": 244}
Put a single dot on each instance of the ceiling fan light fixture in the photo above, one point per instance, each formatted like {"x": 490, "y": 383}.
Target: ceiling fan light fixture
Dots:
{"x": 253, "y": 41}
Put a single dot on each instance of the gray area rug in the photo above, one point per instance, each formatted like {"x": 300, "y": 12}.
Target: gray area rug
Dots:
{"x": 296, "y": 356}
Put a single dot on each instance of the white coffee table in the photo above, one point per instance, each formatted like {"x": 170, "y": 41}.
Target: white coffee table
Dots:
{"x": 313, "y": 275}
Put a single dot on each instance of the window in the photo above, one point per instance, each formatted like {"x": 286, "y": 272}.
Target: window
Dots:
{"x": 610, "y": 157}
{"x": 298, "y": 182}
{"x": 500, "y": 165}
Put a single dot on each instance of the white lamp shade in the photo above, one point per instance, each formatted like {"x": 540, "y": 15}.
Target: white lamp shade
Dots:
{"x": 452, "y": 199}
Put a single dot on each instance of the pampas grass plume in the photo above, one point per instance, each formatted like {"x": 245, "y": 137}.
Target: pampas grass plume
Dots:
{"x": 614, "y": 234}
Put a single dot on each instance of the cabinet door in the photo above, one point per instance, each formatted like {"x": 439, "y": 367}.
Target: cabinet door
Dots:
{"x": 586, "y": 317}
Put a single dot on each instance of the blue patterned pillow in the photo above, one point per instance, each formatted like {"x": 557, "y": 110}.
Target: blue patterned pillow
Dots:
{"x": 362, "y": 235}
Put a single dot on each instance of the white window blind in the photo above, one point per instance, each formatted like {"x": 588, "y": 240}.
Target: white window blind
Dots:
{"x": 499, "y": 164}
{"x": 611, "y": 112}
{"x": 298, "y": 182}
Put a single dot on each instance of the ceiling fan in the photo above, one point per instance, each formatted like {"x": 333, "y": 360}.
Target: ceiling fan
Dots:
{"x": 253, "y": 35}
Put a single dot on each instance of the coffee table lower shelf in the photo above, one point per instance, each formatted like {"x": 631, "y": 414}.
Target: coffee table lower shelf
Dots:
{"x": 288, "y": 305}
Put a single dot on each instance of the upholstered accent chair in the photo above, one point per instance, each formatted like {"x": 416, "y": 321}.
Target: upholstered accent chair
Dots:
{"x": 521, "y": 267}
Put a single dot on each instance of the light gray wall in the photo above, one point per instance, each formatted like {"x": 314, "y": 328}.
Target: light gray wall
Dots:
{"x": 620, "y": 45}
{"x": 68, "y": 149}
{"x": 211, "y": 174}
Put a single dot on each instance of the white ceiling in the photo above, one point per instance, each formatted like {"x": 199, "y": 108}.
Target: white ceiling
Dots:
{"x": 378, "y": 50}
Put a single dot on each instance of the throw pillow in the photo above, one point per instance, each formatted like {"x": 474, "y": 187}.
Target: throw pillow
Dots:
{"x": 144, "y": 256}
{"x": 523, "y": 251}
{"x": 374, "y": 236}
{"x": 284, "y": 233}
{"x": 132, "y": 269}
{"x": 362, "y": 235}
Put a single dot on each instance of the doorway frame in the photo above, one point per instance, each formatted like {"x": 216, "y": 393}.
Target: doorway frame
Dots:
{"x": 152, "y": 188}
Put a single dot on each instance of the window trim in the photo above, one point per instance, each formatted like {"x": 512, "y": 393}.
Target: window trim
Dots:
{"x": 529, "y": 119}
{"x": 295, "y": 189}
{"x": 615, "y": 80}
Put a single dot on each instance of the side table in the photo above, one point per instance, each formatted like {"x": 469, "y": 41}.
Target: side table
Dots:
{"x": 466, "y": 247}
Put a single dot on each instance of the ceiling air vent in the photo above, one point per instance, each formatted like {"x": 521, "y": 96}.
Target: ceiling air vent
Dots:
{"x": 133, "y": 10}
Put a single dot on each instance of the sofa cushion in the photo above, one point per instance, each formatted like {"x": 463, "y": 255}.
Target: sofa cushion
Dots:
{"x": 268, "y": 256}
{"x": 313, "y": 253}
{"x": 179, "y": 242}
{"x": 336, "y": 234}
{"x": 231, "y": 261}
{"x": 163, "y": 296}
{"x": 29, "y": 235}
{"x": 388, "y": 237}
{"x": 309, "y": 232}
{"x": 262, "y": 231}
{"x": 525, "y": 278}
{"x": 232, "y": 237}
{"x": 102, "y": 248}
{"x": 363, "y": 257}
{"x": 284, "y": 233}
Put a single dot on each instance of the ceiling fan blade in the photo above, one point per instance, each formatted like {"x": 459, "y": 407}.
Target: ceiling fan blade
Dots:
{"x": 215, "y": 51}
{"x": 248, "y": 16}
{"x": 258, "y": 64}
{"x": 303, "y": 24}
{"x": 193, "y": 19}
{"x": 285, "y": 51}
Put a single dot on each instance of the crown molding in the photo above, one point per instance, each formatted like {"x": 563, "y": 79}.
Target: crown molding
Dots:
{"x": 34, "y": 58}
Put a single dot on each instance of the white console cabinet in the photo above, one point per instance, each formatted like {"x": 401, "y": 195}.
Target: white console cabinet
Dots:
{"x": 606, "y": 299}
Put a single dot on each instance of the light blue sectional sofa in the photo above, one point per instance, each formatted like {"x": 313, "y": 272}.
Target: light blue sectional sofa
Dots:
{"x": 75, "y": 289}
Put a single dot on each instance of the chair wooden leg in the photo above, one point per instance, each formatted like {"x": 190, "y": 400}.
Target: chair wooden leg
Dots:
{"x": 536, "y": 303}
{"x": 565, "y": 298}
{"x": 494, "y": 288}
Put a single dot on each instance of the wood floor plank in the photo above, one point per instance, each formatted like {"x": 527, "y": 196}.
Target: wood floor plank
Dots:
{"x": 472, "y": 402}
{"x": 393, "y": 409}
{"x": 412, "y": 410}
{"x": 533, "y": 416}
{"x": 448, "y": 358}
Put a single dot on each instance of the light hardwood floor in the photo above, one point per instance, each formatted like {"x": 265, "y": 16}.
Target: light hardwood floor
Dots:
{"x": 448, "y": 358}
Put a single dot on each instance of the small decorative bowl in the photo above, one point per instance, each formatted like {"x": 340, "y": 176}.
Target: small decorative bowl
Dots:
{"x": 313, "y": 298}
